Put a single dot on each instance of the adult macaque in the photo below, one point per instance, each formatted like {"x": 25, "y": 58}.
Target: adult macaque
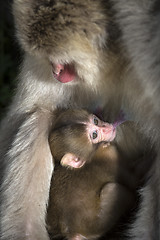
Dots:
{"x": 87, "y": 202}
{"x": 73, "y": 58}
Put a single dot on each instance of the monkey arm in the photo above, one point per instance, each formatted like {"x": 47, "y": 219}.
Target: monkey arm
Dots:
{"x": 139, "y": 39}
{"x": 27, "y": 170}
{"x": 115, "y": 200}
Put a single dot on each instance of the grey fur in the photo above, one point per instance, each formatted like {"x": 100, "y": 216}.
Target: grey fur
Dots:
{"x": 139, "y": 23}
{"x": 82, "y": 32}
{"x": 27, "y": 169}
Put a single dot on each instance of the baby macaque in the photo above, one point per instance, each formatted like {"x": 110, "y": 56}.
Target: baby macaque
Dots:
{"x": 94, "y": 182}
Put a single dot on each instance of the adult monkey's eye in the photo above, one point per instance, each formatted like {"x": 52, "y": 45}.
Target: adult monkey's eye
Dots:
{"x": 94, "y": 135}
{"x": 95, "y": 121}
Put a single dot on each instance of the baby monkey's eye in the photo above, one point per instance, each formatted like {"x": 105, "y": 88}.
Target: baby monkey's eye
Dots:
{"x": 95, "y": 121}
{"x": 94, "y": 135}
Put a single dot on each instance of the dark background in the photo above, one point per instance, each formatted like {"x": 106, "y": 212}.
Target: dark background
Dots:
{"x": 9, "y": 55}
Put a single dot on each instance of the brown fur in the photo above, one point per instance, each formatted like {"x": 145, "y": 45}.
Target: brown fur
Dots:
{"x": 88, "y": 202}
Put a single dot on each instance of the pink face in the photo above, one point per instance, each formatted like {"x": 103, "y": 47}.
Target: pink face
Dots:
{"x": 64, "y": 73}
{"x": 99, "y": 131}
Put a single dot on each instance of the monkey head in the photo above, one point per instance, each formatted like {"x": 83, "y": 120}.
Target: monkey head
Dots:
{"x": 69, "y": 37}
{"x": 76, "y": 135}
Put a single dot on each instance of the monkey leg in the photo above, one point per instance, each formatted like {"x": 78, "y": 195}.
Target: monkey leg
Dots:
{"x": 115, "y": 200}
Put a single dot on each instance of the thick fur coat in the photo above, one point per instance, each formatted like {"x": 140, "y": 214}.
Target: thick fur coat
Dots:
{"x": 113, "y": 48}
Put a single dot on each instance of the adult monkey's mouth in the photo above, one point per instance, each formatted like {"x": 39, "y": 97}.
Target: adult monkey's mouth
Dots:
{"x": 64, "y": 73}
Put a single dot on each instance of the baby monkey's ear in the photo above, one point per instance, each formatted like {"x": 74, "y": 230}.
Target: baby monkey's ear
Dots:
{"x": 71, "y": 160}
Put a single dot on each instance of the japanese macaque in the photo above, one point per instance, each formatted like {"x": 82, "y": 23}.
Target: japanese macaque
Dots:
{"x": 66, "y": 134}
{"x": 87, "y": 202}
{"x": 87, "y": 54}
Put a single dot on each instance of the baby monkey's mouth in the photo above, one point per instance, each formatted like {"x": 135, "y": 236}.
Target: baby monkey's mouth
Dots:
{"x": 64, "y": 73}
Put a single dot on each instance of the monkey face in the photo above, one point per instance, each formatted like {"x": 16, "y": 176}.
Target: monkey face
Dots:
{"x": 99, "y": 131}
{"x": 75, "y": 135}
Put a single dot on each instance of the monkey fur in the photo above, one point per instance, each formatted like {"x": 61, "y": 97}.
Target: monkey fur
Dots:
{"x": 87, "y": 202}
{"x": 77, "y": 53}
